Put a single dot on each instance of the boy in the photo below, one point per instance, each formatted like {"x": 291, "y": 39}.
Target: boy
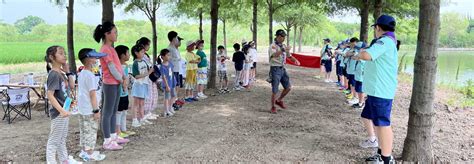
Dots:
{"x": 350, "y": 68}
{"x": 88, "y": 106}
{"x": 191, "y": 71}
{"x": 169, "y": 82}
{"x": 222, "y": 69}
{"x": 326, "y": 60}
{"x": 238, "y": 58}
{"x": 358, "y": 77}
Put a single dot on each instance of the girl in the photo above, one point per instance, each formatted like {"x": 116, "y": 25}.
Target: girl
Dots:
{"x": 140, "y": 70}
{"x": 202, "y": 69}
{"x": 169, "y": 82}
{"x": 247, "y": 64}
{"x": 253, "y": 58}
{"x": 59, "y": 90}
{"x": 191, "y": 71}
{"x": 112, "y": 78}
{"x": 150, "y": 101}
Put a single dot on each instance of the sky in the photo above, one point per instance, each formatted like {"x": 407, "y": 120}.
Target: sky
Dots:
{"x": 88, "y": 12}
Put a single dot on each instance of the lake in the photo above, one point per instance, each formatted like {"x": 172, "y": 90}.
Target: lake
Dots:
{"x": 448, "y": 62}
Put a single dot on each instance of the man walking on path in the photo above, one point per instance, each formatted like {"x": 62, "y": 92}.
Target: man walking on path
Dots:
{"x": 278, "y": 53}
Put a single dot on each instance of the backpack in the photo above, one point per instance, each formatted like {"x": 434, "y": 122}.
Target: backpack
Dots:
{"x": 156, "y": 73}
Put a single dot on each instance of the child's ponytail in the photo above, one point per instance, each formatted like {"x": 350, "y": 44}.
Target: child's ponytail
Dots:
{"x": 101, "y": 29}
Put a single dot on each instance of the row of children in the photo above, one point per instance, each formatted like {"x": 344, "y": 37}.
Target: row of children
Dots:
{"x": 368, "y": 77}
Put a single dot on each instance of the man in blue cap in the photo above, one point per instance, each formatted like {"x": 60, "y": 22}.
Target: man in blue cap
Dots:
{"x": 380, "y": 80}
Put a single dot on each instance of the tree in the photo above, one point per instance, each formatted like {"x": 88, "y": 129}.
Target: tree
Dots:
{"x": 274, "y": 6}
{"x": 25, "y": 24}
{"x": 378, "y": 5}
{"x": 214, "y": 21}
{"x": 255, "y": 21}
{"x": 418, "y": 143}
{"x": 70, "y": 33}
{"x": 149, "y": 8}
{"x": 192, "y": 9}
{"x": 107, "y": 11}
{"x": 230, "y": 10}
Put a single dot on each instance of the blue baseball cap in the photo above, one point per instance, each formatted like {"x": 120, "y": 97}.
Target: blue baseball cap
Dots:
{"x": 91, "y": 54}
{"x": 386, "y": 20}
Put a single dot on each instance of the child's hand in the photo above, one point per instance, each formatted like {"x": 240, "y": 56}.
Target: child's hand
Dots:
{"x": 168, "y": 89}
{"x": 64, "y": 114}
{"x": 297, "y": 62}
{"x": 97, "y": 116}
{"x": 151, "y": 71}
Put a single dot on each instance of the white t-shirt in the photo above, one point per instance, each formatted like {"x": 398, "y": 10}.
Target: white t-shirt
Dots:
{"x": 253, "y": 55}
{"x": 175, "y": 58}
{"x": 221, "y": 64}
{"x": 86, "y": 83}
{"x": 182, "y": 70}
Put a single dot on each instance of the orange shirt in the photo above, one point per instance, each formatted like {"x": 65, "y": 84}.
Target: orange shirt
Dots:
{"x": 112, "y": 56}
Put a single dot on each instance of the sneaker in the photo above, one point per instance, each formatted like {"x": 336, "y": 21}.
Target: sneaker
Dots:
{"x": 317, "y": 77}
{"x": 342, "y": 88}
{"x": 220, "y": 91}
{"x": 96, "y": 156}
{"x": 195, "y": 98}
{"x": 121, "y": 140}
{"x": 346, "y": 91}
{"x": 358, "y": 106}
{"x": 326, "y": 81}
{"x": 227, "y": 90}
{"x": 136, "y": 123}
{"x": 146, "y": 122}
{"x": 151, "y": 117}
{"x": 188, "y": 100}
{"x": 368, "y": 144}
{"x": 353, "y": 101}
{"x": 129, "y": 133}
{"x": 84, "y": 156}
{"x": 377, "y": 159}
{"x": 123, "y": 135}
{"x": 167, "y": 114}
{"x": 112, "y": 146}
{"x": 71, "y": 160}
{"x": 237, "y": 89}
{"x": 180, "y": 102}
{"x": 330, "y": 81}
{"x": 349, "y": 96}
{"x": 273, "y": 110}
{"x": 280, "y": 104}
{"x": 203, "y": 96}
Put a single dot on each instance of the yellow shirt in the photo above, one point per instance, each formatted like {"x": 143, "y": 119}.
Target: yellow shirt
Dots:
{"x": 189, "y": 57}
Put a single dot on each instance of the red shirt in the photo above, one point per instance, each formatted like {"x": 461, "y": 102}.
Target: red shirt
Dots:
{"x": 112, "y": 56}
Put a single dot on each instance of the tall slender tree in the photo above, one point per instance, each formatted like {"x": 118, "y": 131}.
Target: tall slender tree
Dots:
{"x": 214, "y": 21}
{"x": 418, "y": 143}
{"x": 107, "y": 11}
{"x": 70, "y": 37}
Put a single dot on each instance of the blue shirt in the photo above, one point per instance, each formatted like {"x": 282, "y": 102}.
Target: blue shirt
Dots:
{"x": 125, "y": 73}
{"x": 167, "y": 72}
{"x": 359, "y": 70}
{"x": 380, "y": 75}
{"x": 344, "y": 59}
{"x": 351, "y": 63}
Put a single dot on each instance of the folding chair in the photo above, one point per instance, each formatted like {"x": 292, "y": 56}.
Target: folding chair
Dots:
{"x": 4, "y": 79}
{"x": 18, "y": 101}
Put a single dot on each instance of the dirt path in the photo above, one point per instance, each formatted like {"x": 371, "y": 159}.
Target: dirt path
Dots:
{"x": 238, "y": 127}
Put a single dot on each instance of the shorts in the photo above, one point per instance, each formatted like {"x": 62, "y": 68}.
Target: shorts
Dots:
{"x": 378, "y": 110}
{"x": 358, "y": 86}
{"x": 190, "y": 79}
{"x": 179, "y": 79}
{"x": 222, "y": 75}
{"x": 170, "y": 94}
{"x": 328, "y": 65}
{"x": 279, "y": 75}
{"x": 123, "y": 103}
{"x": 140, "y": 90}
{"x": 254, "y": 65}
{"x": 202, "y": 76}
{"x": 351, "y": 79}
{"x": 338, "y": 68}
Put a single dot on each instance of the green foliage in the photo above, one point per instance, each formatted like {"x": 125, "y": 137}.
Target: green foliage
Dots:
{"x": 26, "y": 24}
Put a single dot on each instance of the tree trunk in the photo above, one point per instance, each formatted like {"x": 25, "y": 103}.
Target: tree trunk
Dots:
{"x": 107, "y": 11}
{"x": 70, "y": 37}
{"x": 300, "y": 38}
{"x": 288, "y": 30}
{"x": 223, "y": 30}
{"x": 270, "y": 21}
{"x": 364, "y": 20}
{"x": 418, "y": 142}
{"x": 378, "y": 5}
{"x": 254, "y": 22}
{"x": 294, "y": 38}
{"x": 200, "y": 23}
{"x": 154, "y": 38}
{"x": 214, "y": 20}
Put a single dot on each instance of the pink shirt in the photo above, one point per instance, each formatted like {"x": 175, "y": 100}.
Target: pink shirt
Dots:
{"x": 112, "y": 56}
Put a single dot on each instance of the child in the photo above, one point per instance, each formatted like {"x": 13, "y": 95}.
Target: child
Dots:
{"x": 150, "y": 101}
{"x": 59, "y": 90}
{"x": 245, "y": 74}
{"x": 88, "y": 106}
{"x": 191, "y": 71}
{"x": 359, "y": 72}
{"x": 339, "y": 57}
{"x": 169, "y": 82}
{"x": 350, "y": 68}
{"x": 326, "y": 61}
{"x": 253, "y": 58}
{"x": 202, "y": 69}
{"x": 121, "y": 129}
{"x": 238, "y": 58}
{"x": 222, "y": 69}
{"x": 112, "y": 77}
{"x": 140, "y": 70}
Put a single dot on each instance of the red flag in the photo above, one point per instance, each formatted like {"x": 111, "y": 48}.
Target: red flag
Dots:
{"x": 306, "y": 61}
